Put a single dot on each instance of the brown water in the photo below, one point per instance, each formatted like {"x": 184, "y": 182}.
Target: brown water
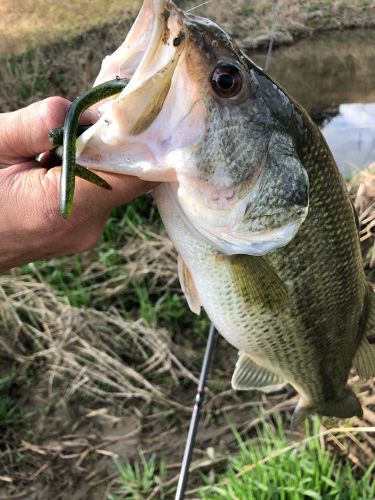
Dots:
{"x": 327, "y": 70}
{"x": 333, "y": 74}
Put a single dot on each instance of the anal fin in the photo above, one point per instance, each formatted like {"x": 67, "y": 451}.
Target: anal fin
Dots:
{"x": 188, "y": 286}
{"x": 345, "y": 406}
{"x": 364, "y": 359}
{"x": 248, "y": 375}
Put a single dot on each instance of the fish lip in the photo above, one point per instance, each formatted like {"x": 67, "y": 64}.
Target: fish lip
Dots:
{"x": 149, "y": 30}
{"x": 151, "y": 79}
{"x": 137, "y": 107}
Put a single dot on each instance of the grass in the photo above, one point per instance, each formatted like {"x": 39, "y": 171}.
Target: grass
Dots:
{"x": 25, "y": 24}
{"x": 11, "y": 409}
{"x": 139, "y": 479}
{"x": 111, "y": 327}
{"x": 268, "y": 467}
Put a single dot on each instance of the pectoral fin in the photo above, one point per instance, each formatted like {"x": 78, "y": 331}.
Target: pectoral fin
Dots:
{"x": 248, "y": 375}
{"x": 257, "y": 282}
{"x": 188, "y": 286}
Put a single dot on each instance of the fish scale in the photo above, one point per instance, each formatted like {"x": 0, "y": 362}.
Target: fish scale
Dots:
{"x": 252, "y": 200}
{"x": 311, "y": 342}
{"x": 324, "y": 265}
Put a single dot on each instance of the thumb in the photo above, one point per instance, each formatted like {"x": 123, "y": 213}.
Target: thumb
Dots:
{"x": 24, "y": 132}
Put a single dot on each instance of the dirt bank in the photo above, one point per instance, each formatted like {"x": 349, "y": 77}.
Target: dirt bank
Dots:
{"x": 63, "y": 54}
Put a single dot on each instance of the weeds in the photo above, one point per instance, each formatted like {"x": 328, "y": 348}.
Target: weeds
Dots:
{"x": 103, "y": 327}
{"x": 269, "y": 467}
{"x": 11, "y": 410}
{"x": 138, "y": 480}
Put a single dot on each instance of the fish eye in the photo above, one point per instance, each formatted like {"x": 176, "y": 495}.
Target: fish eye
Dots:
{"x": 226, "y": 80}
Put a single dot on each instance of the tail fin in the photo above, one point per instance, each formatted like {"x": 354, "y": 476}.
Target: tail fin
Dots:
{"x": 344, "y": 407}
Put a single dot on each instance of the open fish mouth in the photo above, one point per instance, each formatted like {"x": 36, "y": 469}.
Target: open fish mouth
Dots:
{"x": 149, "y": 46}
{"x": 134, "y": 133}
{"x": 194, "y": 115}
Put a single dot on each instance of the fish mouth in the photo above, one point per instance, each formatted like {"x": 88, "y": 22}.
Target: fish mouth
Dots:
{"x": 148, "y": 57}
{"x": 150, "y": 44}
{"x": 126, "y": 138}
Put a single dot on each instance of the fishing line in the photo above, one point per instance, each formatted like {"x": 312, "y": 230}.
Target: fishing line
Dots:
{"x": 273, "y": 30}
{"x": 200, "y": 5}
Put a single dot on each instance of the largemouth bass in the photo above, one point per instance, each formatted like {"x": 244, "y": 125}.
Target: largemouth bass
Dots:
{"x": 252, "y": 199}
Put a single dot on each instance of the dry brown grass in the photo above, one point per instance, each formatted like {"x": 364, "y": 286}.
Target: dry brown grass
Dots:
{"x": 362, "y": 187}
{"x": 31, "y": 23}
{"x": 87, "y": 348}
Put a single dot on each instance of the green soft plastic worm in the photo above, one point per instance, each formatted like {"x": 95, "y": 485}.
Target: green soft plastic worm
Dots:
{"x": 69, "y": 169}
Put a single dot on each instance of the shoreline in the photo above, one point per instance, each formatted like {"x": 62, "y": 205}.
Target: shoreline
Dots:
{"x": 50, "y": 68}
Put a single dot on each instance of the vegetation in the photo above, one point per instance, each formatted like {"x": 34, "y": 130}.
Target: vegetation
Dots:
{"x": 99, "y": 352}
{"x": 32, "y": 23}
{"x": 269, "y": 466}
{"x": 138, "y": 480}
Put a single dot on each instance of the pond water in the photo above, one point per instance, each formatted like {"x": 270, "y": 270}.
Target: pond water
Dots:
{"x": 332, "y": 75}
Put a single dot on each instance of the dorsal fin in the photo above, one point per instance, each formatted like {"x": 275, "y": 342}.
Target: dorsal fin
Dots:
{"x": 188, "y": 286}
{"x": 248, "y": 375}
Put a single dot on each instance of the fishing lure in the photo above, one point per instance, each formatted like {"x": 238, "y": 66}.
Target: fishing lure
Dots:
{"x": 66, "y": 137}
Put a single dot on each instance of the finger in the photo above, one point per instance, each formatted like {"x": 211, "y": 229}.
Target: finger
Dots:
{"x": 124, "y": 189}
{"x": 91, "y": 198}
{"x": 31, "y": 225}
{"x": 25, "y": 132}
{"x": 34, "y": 190}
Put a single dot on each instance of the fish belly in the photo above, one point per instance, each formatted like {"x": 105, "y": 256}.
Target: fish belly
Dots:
{"x": 278, "y": 338}
{"x": 253, "y": 328}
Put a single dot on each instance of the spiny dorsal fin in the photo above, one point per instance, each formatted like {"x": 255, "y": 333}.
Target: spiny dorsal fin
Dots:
{"x": 364, "y": 359}
{"x": 248, "y": 375}
{"x": 188, "y": 286}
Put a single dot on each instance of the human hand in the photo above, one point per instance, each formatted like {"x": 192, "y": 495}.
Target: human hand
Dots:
{"x": 31, "y": 227}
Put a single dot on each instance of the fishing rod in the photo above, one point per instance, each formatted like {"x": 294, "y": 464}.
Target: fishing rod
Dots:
{"x": 199, "y": 397}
